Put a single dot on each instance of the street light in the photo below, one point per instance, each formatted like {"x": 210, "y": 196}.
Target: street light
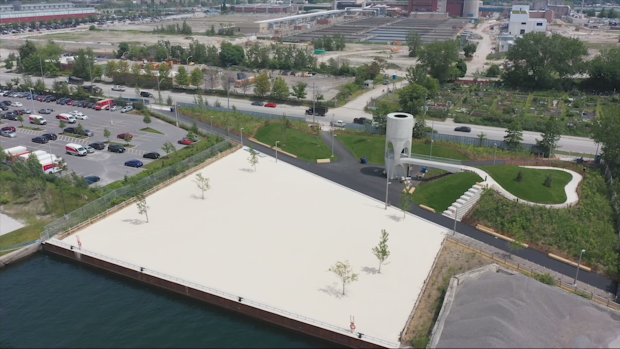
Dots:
{"x": 432, "y": 141}
{"x": 495, "y": 153}
{"x": 277, "y": 151}
{"x": 176, "y": 111}
{"x": 332, "y": 135}
{"x": 242, "y": 137}
{"x": 31, "y": 99}
{"x": 187, "y": 63}
{"x": 578, "y": 266}
{"x": 387, "y": 176}
{"x": 158, "y": 91}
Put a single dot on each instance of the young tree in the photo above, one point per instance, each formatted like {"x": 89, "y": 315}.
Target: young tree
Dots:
{"x": 514, "y": 135}
{"x": 147, "y": 119}
{"x": 253, "y": 159}
{"x": 493, "y": 71}
{"x": 182, "y": 78}
{"x": 212, "y": 79}
{"x": 414, "y": 41}
{"x": 262, "y": 85}
{"x": 137, "y": 90}
{"x": 62, "y": 124}
{"x": 107, "y": 134}
{"x": 550, "y": 137}
{"x": 381, "y": 250}
{"x": 80, "y": 128}
{"x": 469, "y": 50}
{"x": 168, "y": 148}
{"x": 280, "y": 89}
{"x": 202, "y": 183}
{"x": 169, "y": 101}
{"x": 299, "y": 90}
{"x": 344, "y": 271}
{"x": 412, "y": 98}
{"x": 143, "y": 208}
{"x": 196, "y": 77}
{"x": 20, "y": 119}
{"x": 127, "y": 139}
{"x": 406, "y": 201}
{"x": 482, "y": 137}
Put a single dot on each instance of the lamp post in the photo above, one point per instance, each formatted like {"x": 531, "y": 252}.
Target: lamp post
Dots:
{"x": 32, "y": 101}
{"x": 277, "y": 151}
{"x": 495, "y": 153}
{"x": 176, "y": 112}
{"x": 158, "y": 91}
{"x": 332, "y": 135}
{"x": 242, "y": 137}
{"x": 578, "y": 266}
{"x": 432, "y": 141}
{"x": 187, "y": 62}
{"x": 387, "y": 176}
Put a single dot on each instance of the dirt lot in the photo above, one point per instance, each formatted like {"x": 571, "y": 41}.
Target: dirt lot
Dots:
{"x": 453, "y": 260}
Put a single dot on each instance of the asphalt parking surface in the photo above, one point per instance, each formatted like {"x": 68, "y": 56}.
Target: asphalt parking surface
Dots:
{"x": 107, "y": 165}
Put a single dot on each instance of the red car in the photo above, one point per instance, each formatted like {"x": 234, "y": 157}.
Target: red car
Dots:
{"x": 71, "y": 102}
{"x": 41, "y": 97}
{"x": 9, "y": 128}
{"x": 186, "y": 141}
{"x": 125, "y": 135}
{"x": 270, "y": 105}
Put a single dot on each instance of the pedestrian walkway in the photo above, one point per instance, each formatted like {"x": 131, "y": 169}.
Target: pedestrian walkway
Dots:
{"x": 28, "y": 131}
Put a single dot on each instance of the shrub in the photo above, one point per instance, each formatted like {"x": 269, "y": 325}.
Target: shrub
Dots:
{"x": 4, "y": 200}
{"x": 92, "y": 27}
{"x": 549, "y": 181}
{"x": 520, "y": 178}
{"x": 545, "y": 278}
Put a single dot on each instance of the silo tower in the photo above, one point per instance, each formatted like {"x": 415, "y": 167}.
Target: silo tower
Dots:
{"x": 398, "y": 133}
{"x": 471, "y": 9}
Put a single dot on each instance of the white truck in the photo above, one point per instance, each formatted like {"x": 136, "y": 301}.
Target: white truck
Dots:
{"x": 50, "y": 166}
{"x": 41, "y": 155}
{"x": 15, "y": 151}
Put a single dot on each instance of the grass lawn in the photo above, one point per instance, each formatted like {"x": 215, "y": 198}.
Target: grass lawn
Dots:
{"x": 151, "y": 130}
{"x": 532, "y": 188}
{"x": 32, "y": 128}
{"x": 306, "y": 146}
{"x": 76, "y": 136}
{"x": 443, "y": 193}
{"x": 373, "y": 149}
{"x": 123, "y": 144}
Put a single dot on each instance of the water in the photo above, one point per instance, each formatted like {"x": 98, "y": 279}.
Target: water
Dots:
{"x": 47, "y": 301}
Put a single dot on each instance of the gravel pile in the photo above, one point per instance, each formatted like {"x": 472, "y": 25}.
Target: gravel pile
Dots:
{"x": 498, "y": 310}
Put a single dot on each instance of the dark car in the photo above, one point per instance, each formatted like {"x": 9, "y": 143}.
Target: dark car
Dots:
{"x": 134, "y": 163}
{"x": 10, "y": 116}
{"x": 462, "y": 129}
{"x": 91, "y": 179}
{"x": 40, "y": 139}
{"x": 4, "y": 107}
{"x": 258, "y": 103}
{"x": 146, "y": 94}
{"x": 98, "y": 145}
{"x": 50, "y": 136}
{"x": 151, "y": 155}
{"x": 360, "y": 121}
{"x": 9, "y": 128}
{"x": 90, "y": 105}
{"x": 71, "y": 102}
{"x": 48, "y": 99}
{"x": 116, "y": 148}
{"x": 72, "y": 130}
{"x": 19, "y": 111}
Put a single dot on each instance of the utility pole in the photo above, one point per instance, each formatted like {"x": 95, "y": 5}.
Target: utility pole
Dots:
{"x": 313, "y": 100}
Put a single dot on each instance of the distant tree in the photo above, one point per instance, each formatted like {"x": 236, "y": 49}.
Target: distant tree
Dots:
{"x": 20, "y": 119}
{"x": 107, "y": 134}
{"x": 299, "y": 90}
{"x": 461, "y": 66}
{"x": 344, "y": 271}
{"x": 549, "y": 181}
{"x": 8, "y": 64}
{"x": 482, "y": 137}
{"x": 212, "y": 79}
{"x": 137, "y": 90}
{"x": 406, "y": 201}
{"x": 127, "y": 139}
{"x": 520, "y": 177}
{"x": 169, "y": 101}
{"x": 62, "y": 124}
{"x": 439, "y": 58}
{"x": 168, "y": 148}
{"x": 550, "y": 137}
{"x": 412, "y": 98}
{"x": 231, "y": 54}
{"x": 80, "y": 128}
{"x": 196, "y": 77}
{"x": 419, "y": 128}
{"x": 143, "y": 208}
{"x": 253, "y": 159}
{"x": 202, "y": 183}
{"x": 514, "y": 135}
{"x": 280, "y": 89}
{"x": 493, "y": 71}
{"x": 381, "y": 251}
{"x": 414, "y": 41}
{"x": 182, "y": 78}
{"x": 262, "y": 85}
{"x": 469, "y": 50}
{"x": 147, "y": 119}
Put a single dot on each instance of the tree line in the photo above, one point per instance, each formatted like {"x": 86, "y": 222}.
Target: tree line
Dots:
{"x": 335, "y": 42}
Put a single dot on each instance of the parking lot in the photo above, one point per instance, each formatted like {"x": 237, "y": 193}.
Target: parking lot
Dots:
{"x": 107, "y": 165}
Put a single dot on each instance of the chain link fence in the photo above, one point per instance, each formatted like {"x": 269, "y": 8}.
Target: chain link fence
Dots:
{"x": 250, "y": 113}
{"x": 119, "y": 195}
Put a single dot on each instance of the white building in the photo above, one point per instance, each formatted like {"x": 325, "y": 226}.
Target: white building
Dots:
{"x": 504, "y": 43}
{"x": 521, "y": 23}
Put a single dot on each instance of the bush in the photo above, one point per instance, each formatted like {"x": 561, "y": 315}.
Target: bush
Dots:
{"x": 545, "y": 278}
{"x": 4, "y": 200}
{"x": 520, "y": 177}
{"x": 549, "y": 181}
{"x": 92, "y": 27}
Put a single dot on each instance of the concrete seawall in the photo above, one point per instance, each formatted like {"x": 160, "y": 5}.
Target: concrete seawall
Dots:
{"x": 19, "y": 254}
{"x": 236, "y": 306}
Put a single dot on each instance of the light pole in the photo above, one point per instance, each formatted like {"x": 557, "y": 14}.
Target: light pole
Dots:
{"x": 313, "y": 100}
{"x": 387, "y": 176}
{"x": 431, "y": 156}
{"x": 176, "y": 111}
{"x": 332, "y": 135}
{"x": 495, "y": 153}
{"x": 432, "y": 131}
{"x": 211, "y": 123}
{"x": 242, "y": 137}
{"x": 158, "y": 91}
{"x": 32, "y": 100}
{"x": 277, "y": 151}
{"x": 578, "y": 266}
{"x": 187, "y": 62}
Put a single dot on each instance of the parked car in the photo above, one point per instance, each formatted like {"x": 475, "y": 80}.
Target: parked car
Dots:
{"x": 46, "y": 111}
{"x": 146, "y": 94}
{"x": 339, "y": 123}
{"x": 72, "y": 102}
{"x": 4, "y": 107}
{"x": 462, "y": 129}
{"x": 10, "y": 116}
{"x": 127, "y": 109}
{"x": 91, "y": 179}
{"x": 50, "y": 136}
{"x": 271, "y": 105}
{"x": 76, "y": 113}
{"x": 90, "y": 149}
{"x": 7, "y": 133}
{"x": 385, "y": 82}
{"x": 89, "y": 105}
{"x": 97, "y": 145}
{"x": 116, "y": 148}
{"x": 86, "y": 132}
{"x": 186, "y": 141}
{"x": 50, "y": 99}
{"x": 116, "y": 107}
{"x": 125, "y": 135}
{"x": 9, "y": 128}
{"x": 152, "y": 155}
{"x": 16, "y": 104}
{"x": 71, "y": 130}
{"x": 134, "y": 163}
{"x": 258, "y": 103}
{"x": 118, "y": 88}
{"x": 360, "y": 121}
{"x": 40, "y": 139}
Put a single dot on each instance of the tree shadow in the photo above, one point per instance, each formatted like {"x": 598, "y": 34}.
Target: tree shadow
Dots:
{"x": 395, "y": 218}
{"x": 333, "y": 290}
{"x": 134, "y": 221}
{"x": 248, "y": 170}
{"x": 370, "y": 270}
{"x": 197, "y": 197}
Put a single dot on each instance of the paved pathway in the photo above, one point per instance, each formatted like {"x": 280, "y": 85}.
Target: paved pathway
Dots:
{"x": 8, "y": 224}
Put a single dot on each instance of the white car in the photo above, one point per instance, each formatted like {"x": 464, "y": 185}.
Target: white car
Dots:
{"x": 9, "y": 134}
{"x": 116, "y": 107}
{"x": 79, "y": 115}
{"x": 127, "y": 109}
{"x": 90, "y": 149}
{"x": 118, "y": 88}
{"x": 16, "y": 104}
{"x": 339, "y": 123}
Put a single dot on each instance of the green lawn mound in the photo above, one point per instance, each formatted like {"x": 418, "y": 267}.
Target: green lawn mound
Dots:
{"x": 305, "y": 146}
{"x": 373, "y": 148}
{"x": 443, "y": 193}
{"x": 533, "y": 187}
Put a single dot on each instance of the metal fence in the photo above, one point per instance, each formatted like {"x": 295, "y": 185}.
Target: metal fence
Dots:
{"x": 364, "y": 128}
{"x": 489, "y": 143}
{"x": 116, "y": 196}
{"x": 250, "y": 113}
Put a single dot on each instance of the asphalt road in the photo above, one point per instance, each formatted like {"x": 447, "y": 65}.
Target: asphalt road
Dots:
{"x": 107, "y": 165}
{"x": 368, "y": 180}
{"x": 346, "y": 113}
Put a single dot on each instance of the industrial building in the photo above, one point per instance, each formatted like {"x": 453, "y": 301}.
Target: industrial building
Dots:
{"x": 26, "y": 13}
{"x": 522, "y": 23}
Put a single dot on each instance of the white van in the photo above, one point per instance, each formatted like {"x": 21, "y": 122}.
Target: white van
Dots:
{"x": 75, "y": 149}
{"x": 67, "y": 117}
{"x": 41, "y": 120}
